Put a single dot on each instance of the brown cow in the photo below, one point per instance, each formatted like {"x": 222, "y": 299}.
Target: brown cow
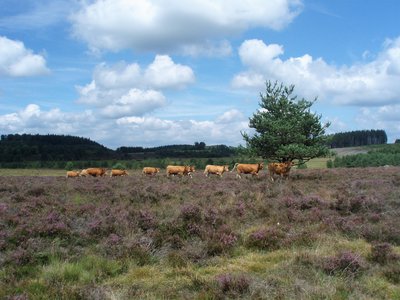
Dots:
{"x": 72, "y": 174}
{"x": 118, "y": 172}
{"x": 282, "y": 169}
{"x": 180, "y": 170}
{"x": 96, "y": 172}
{"x": 217, "y": 170}
{"x": 252, "y": 169}
{"x": 150, "y": 171}
{"x": 83, "y": 173}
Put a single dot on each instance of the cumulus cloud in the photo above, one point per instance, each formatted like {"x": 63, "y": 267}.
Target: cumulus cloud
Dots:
{"x": 151, "y": 130}
{"x": 128, "y": 130}
{"x": 128, "y": 90}
{"x": 386, "y": 117}
{"x": 158, "y": 25}
{"x": 34, "y": 120}
{"x": 364, "y": 84}
{"x": 17, "y": 61}
{"x": 164, "y": 73}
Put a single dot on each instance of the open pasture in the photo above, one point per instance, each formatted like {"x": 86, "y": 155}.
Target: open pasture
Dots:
{"x": 325, "y": 233}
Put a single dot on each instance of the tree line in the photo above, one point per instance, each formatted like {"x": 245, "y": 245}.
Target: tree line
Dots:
{"x": 379, "y": 156}
{"x": 357, "y": 138}
{"x": 54, "y": 151}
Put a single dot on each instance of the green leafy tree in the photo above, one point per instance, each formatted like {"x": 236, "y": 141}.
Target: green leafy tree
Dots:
{"x": 286, "y": 129}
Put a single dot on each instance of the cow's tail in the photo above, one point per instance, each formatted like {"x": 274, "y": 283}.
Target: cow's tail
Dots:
{"x": 234, "y": 167}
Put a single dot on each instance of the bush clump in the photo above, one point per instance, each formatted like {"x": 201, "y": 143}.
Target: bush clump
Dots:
{"x": 271, "y": 238}
{"x": 382, "y": 253}
{"x": 346, "y": 263}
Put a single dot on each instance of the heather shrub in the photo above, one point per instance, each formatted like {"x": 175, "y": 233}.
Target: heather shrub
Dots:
{"x": 233, "y": 285}
{"x": 382, "y": 253}
{"x": 146, "y": 220}
{"x": 221, "y": 240}
{"x": 270, "y": 238}
{"x": 212, "y": 217}
{"x": 191, "y": 213}
{"x": 344, "y": 263}
{"x": 392, "y": 273}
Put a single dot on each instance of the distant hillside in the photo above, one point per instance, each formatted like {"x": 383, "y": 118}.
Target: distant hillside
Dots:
{"x": 20, "y": 148}
{"x": 357, "y": 138}
{"x": 28, "y": 147}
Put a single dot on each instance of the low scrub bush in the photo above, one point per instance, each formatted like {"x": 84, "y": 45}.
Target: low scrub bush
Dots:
{"x": 270, "y": 238}
{"x": 383, "y": 253}
{"x": 345, "y": 263}
{"x": 233, "y": 285}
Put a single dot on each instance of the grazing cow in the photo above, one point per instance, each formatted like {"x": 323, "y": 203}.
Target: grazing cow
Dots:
{"x": 252, "y": 169}
{"x": 96, "y": 172}
{"x": 83, "y": 173}
{"x": 150, "y": 171}
{"x": 118, "y": 172}
{"x": 72, "y": 174}
{"x": 217, "y": 170}
{"x": 180, "y": 170}
{"x": 282, "y": 169}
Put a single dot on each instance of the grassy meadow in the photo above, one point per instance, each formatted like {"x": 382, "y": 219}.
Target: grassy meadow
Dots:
{"x": 322, "y": 234}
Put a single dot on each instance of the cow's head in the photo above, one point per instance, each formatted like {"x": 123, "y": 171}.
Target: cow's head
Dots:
{"x": 226, "y": 168}
{"x": 157, "y": 170}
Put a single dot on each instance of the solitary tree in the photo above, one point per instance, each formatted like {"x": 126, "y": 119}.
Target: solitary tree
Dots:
{"x": 286, "y": 129}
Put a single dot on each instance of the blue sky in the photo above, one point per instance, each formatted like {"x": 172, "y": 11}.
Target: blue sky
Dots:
{"x": 153, "y": 72}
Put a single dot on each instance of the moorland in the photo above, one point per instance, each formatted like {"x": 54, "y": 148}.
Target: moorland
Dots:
{"x": 322, "y": 234}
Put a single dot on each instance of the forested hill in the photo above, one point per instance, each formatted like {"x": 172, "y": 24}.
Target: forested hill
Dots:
{"x": 28, "y": 147}
{"x": 44, "y": 148}
{"x": 357, "y": 138}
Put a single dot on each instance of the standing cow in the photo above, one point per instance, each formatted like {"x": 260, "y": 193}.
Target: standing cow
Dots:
{"x": 282, "y": 169}
{"x": 217, "y": 170}
{"x": 151, "y": 171}
{"x": 95, "y": 172}
{"x": 118, "y": 172}
{"x": 252, "y": 169}
{"x": 72, "y": 174}
{"x": 180, "y": 170}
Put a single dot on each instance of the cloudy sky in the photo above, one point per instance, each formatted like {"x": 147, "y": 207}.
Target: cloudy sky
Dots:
{"x": 155, "y": 72}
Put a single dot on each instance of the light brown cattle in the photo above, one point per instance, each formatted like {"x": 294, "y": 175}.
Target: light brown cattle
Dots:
{"x": 217, "y": 170}
{"x": 252, "y": 169}
{"x": 72, "y": 174}
{"x": 282, "y": 169}
{"x": 96, "y": 172}
{"x": 150, "y": 171}
{"x": 83, "y": 173}
{"x": 118, "y": 172}
{"x": 180, "y": 170}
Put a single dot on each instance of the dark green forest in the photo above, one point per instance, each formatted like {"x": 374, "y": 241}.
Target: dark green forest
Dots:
{"x": 54, "y": 151}
{"x": 357, "y": 138}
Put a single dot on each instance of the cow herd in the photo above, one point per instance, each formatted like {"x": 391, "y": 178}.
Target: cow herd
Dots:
{"x": 280, "y": 169}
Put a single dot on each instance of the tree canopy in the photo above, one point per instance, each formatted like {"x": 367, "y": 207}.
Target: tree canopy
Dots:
{"x": 285, "y": 128}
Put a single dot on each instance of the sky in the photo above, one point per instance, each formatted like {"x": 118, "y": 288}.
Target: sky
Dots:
{"x": 155, "y": 72}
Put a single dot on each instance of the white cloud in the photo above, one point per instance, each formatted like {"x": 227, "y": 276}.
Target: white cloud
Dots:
{"x": 164, "y": 73}
{"x": 128, "y": 90}
{"x": 134, "y": 103}
{"x": 230, "y": 116}
{"x": 159, "y": 26}
{"x": 32, "y": 119}
{"x": 155, "y": 131}
{"x": 386, "y": 117}
{"x": 125, "y": 131}
{"x": 362, "y": 84}
{"x": 16, "y": 60}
